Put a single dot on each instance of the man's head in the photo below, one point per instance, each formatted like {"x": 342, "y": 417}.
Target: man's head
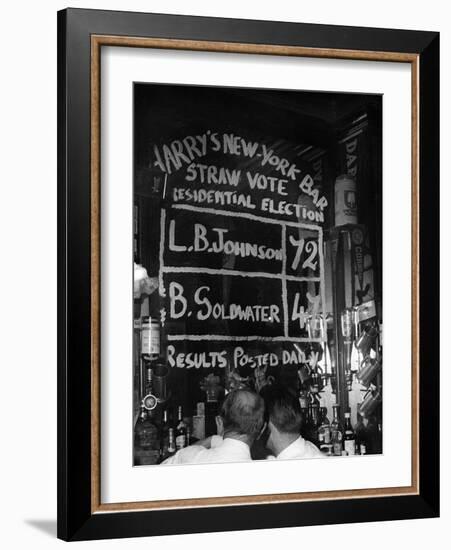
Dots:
{"x": 242, "y": 415}
{"x": 284, "y": 417}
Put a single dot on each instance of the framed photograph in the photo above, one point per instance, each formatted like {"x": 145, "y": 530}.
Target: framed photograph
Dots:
{"x": 248, "y": 274}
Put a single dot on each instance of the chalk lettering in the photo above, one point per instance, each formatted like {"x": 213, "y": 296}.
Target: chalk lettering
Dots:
{"x": 172, "y": 246}
{"x": 235, "y": 145}
{"x": 204, "y": 359}
{"x": 222, "y": 198}
{"x": 176, "y": 296}
{"x": 202, "y": 242}
{"x": 210, "y": 174}
{"x": 179, "y": 152}
{"x": 298, "y": 311}
{"x": 280, "y": 164}
{"x": 215, "y": 143}
{"x": 306, "y": 186}
{"x": 242, "y": 359}
{"x": 285, "y": 208}
{"x": 260, "y": 181}
{"x": 248, "y": 313}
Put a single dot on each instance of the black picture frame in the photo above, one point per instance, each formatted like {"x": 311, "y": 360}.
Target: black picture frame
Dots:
{"x": 76, "y": 518}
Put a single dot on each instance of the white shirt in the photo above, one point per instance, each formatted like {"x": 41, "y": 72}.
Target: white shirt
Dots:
{"x": 300, "y": 448}
{"x": 222, "y": 450}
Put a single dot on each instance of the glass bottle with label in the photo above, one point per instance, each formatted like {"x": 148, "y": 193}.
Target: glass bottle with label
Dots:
{"x": 314, "y": 423}
{"x": 362, "y": 447}
{"x": 150, "y": 401}
{"x": 360, "y": 436}
{"x": 150, "y": 338}
{"x": 164, "y": 434}
{"x": 304, "y": 400}
{"x": 336, "y": 432}
{"x": 188, "y": 436}
{"x": 149, "y": 378}
{"x": 146, "y": 433}
{"x": 180, "y": 431}
{"x": 171, "y": 448}
{"x": 349, "y": 435}
{"x": 171, "y": 442}
{"x": 305, "y": 422}
{"x": 324, "y": 435}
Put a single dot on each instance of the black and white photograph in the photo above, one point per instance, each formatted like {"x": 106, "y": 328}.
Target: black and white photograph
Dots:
{"x": 225, "y": 274}
{"x": 257, "y": 290}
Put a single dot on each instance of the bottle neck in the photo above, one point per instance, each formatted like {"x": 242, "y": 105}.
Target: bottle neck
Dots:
{"x": 171, "y": 442}
{"x": 149, "y": 386}
{"x": 314, "y": 414}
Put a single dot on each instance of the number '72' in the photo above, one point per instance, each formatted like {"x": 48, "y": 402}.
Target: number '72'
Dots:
{"x": 311, "y": 248}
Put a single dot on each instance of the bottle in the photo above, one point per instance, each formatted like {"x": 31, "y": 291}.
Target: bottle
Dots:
{"x": 372, "y": 430}
{"x": 150, "y": 337}
{"x": 324, "y": 438}
{"x": 314, "y": 423}
{"x": 149, "y": 400}
{"x": 304, "y": 400}
{"x": 336, "y": 432}
{"x": 146, "y": 433}
{"x": 171, "y": 442}
{"x": 345, "y": 200}
{"x": 349, "y": 435}
{"x": 164, "y": 434}
{"x": 149, "y": 379}
{"x": 305, "y": 424}
{"x": 170, "y": 448}
{"x": 360, "y": 436}
{"x": 180, "y": 431}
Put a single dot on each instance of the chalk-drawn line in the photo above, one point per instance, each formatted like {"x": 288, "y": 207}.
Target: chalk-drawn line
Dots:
{"x": 235, "y": 273}
{"x": 284, "y": 280}
{"x": 227, "y": 338}
{"x": 245, "y": 215}
{"x": 160, "y": 271}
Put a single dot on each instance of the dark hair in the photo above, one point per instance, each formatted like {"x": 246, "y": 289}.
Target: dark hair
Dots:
{"x": 283, "y": 410}
{"x": 242, "y": 412}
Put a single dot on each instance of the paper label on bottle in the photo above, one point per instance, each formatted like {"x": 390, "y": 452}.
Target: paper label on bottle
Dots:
{"x": 350, "y": 446}
{"x": 180, "y": 441}
{"x": 150, "y": 340}
{"x": 337, "y": 448}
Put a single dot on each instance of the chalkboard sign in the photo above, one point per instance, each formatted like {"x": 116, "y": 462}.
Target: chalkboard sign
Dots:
{"x": 236, "y": 237}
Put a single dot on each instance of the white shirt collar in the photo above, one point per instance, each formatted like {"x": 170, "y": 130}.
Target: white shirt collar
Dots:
{"x": 297, "y": 449}
{"x": 236, "y": 444}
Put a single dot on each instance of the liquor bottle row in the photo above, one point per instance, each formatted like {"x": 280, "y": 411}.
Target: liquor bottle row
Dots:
{"x": 156, "y": 439}
{"x": 335, "y": 439}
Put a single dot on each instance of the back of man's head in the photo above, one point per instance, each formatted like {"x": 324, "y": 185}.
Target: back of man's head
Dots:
{"x": 283, "y": 410}
{"x": 242, "y": 414}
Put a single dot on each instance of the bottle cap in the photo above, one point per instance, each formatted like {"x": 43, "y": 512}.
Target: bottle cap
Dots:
{"x": 150, "y": 402}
